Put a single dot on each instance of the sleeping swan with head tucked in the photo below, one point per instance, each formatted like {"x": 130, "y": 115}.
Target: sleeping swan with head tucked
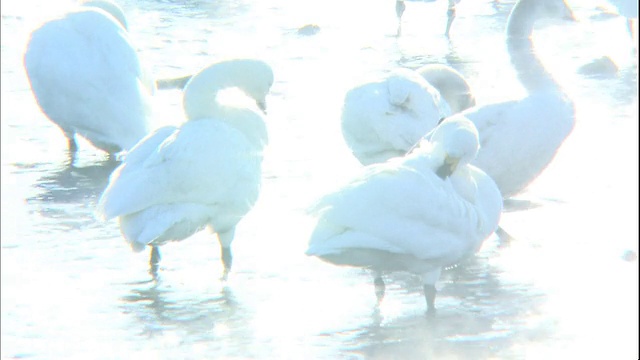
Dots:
{"x": 417, "y": 213}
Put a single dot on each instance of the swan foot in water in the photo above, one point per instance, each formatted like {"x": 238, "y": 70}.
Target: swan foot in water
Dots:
{"x": 380, "y": 287}
{"x": 430, "y": 297}
{"x": 227, "y": 260}
{"x": 154, "y": 261}
{"x": 451, "y": 14}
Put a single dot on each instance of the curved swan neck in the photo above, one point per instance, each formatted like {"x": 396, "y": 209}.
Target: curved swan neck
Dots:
{"x": 530, "y": 71}
{"x": 253, "y": 77}
{"x": 522, "y": 18}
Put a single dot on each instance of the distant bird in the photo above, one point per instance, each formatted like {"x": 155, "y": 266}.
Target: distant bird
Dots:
{"x": 87, "y": 78}
{"x": 418, "y": 213}
{"x": 453, "y": 87}
{"x": 205, "y": 173}
{"x": 385, "y": 118}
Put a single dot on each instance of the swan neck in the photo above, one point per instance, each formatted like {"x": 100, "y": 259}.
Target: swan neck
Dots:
{"x": 529, "y": 69}
{"x": 522, "y": 19}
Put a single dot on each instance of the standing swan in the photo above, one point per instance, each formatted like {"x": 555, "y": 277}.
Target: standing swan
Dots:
{"x": 206, "y": 173}
{"x": 87, "y": 78}
{"x": 519, "y": 138}
{"x": 417, "y": 213}
{"x": 386, "y": 118}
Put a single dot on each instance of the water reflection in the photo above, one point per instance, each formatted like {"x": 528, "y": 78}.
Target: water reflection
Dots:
{"x": 70, "y": 184}
{"x": 476, "y": 327}
{"x": 156, "y": 310}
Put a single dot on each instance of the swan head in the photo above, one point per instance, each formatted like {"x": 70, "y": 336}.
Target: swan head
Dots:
{"x": 525, "y": 13}
{"x": 457, "y": 142}
{"x": 110, "y": 7}
{"x": 253, "y": 77}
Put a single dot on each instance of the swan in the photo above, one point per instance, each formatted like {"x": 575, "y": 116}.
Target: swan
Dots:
{"x": 453, "y": 87}
{"x": 385, "y": 118}
{"x": 417, "y": 213}
{"x": 87, "y": 78}
{"x": 519, "y": 138}
{"x": 205, "y": 173}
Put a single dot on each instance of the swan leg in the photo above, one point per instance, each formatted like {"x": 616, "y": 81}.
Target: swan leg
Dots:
{"x": 430, "y": 297}
{"x": 227, "y": 260}
{"x": 154, "y": 261}
{"x": 225, "y": 240}
{"x": 380, "y": 287}
{"x": 429, "y": 280}
{"x": 71, "y": 143}
{"x": 451, "y": 14}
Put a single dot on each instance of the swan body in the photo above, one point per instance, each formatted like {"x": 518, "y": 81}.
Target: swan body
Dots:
{"x": 416, "y": 213}
{"x": 205, "y": 173}
{"x": 519, "y": 138}
{"x": 87, "y": 78}
{"x": 385, "y": 118}
{"x": 453, "y": 87}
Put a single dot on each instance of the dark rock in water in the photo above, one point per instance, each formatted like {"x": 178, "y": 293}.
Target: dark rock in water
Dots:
{"x": 309, "y": 29}
{"x": 603, "y": 66}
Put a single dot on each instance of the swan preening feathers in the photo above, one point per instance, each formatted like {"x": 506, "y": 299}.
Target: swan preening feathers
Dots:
{"x": 87, "y": 78}
{"x": 383, "y": 119}
{"x": 415, "y": 213}
{"x": 205, "y": 173}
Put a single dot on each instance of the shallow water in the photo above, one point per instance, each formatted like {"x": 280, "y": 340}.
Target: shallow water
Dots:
{"x": 71, "y": 287}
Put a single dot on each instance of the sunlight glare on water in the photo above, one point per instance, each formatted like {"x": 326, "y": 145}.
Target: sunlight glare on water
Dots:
{"x": 72, "y": 288}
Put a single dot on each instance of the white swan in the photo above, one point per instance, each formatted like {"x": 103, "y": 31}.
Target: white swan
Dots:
{"x": 453, "y": 87}
{"x": 385, "y": 118}
{"x": 207, "y": 172}
{"x": 87, "y": 78}
{"x": 519, "y": 138}
{"x": 416, "y": 213}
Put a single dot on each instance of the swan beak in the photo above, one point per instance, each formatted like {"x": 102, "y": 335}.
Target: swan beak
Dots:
{"x": 262, "y": 105}
{"x": 448, "y": 167}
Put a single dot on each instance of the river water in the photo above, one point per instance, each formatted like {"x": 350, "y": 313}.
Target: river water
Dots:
{"x": 566, "y": 285}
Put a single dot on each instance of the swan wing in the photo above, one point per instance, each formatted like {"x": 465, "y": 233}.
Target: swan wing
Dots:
{"x": 204, "y": 162}
{"x": 398, "y": 210}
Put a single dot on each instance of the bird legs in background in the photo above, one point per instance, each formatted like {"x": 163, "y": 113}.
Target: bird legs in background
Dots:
{"x": 400, "y": 7}
{"x": 451, "y": 14}
{"x": 154, "y": 261}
